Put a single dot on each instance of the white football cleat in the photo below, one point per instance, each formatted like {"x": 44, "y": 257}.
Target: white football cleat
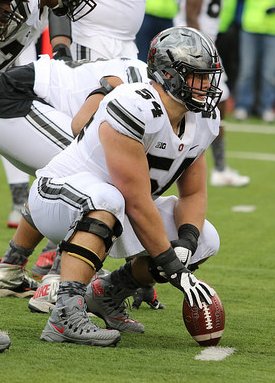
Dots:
{"x": 240, "y": 114}
{"x": 14, "y": 216}
{"x": 45, "y": 296}
{"x": 268, "y": 116}
{"x": 228, "y": 177}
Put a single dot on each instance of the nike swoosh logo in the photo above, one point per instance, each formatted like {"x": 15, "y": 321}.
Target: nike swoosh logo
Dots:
{"x": 193, "y": 147}
{"x": 59, "y": 329}
{"x": 190, "y": 281}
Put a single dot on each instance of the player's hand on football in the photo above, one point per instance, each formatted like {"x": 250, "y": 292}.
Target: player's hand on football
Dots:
{"x": 195, "y": 290}
{"x": 179, "y": 276}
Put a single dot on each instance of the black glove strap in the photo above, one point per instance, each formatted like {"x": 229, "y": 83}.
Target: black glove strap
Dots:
{"x": 105, "y": 89}
{"x": 169, "y": 262}
{"x": 62, "y": 52}
{"x": 189, "y": 235}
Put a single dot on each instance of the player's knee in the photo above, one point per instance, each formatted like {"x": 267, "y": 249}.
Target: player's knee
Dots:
{"x": 100, "y": 229}
{"x": 209, "y": 241}
{"x": 140, "y": 270}
{"x": 212, "y": 241}
{"x": 26, "y": 214}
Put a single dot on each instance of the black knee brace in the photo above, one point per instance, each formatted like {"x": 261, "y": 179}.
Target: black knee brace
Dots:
{"x": 99, "y": 228}
{"x": 81, "y": 253}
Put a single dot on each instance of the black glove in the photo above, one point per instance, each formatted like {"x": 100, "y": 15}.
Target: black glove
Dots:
{"x": 187, "y": 243}
{"x": 179, "y": 276}
{"x": 62, "y": 52}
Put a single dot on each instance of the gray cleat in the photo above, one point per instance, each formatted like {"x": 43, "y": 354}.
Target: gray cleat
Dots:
{"x": 148, "y": 295}
{"x": 5, "y": 341}
{"x": 71, "y": 324}
{"x": 102, "y": 301}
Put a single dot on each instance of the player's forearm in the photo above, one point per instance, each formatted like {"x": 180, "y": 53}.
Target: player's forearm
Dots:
{"x": 85, "y": 113}
{"x": 90, "y": 106}
{"x": 148, "y": 226}
{"x": 193, "y": 9}
{"x": 60, "y": 30}
{"x": 191, "y": 209}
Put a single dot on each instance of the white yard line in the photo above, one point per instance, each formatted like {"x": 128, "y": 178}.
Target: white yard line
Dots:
{"x": 215, "y": 353}
{"x": 250, "y": 128}
{"x": 246, "y": 128}
{"x": 251, "y": 156}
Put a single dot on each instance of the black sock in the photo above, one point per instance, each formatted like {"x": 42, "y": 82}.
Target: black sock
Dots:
{"x": 218, "y": 150}
{"x": 69, "y": 289}
{"x": 19, "y": 193}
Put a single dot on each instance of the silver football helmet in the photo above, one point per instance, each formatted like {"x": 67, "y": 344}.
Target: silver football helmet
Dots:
{"x": 12, "y": 16}
{"x": 177, "y": 58}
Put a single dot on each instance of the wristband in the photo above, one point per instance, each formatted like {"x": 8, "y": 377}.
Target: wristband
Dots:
{"x": 189, "y": 234}
{"x": 105, "y": 88}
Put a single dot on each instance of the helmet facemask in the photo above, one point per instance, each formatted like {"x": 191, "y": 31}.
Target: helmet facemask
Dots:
{"x": 192, "y": 92}
{"x": 10, "y": 20}
{"x": 74, "y": 9}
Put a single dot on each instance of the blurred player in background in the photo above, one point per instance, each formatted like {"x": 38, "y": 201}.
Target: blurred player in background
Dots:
{"x": 109, "y": 32}
{"x": 204, "y": 15}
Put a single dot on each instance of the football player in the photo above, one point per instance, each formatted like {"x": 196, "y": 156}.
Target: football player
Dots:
{"x": 21, "y": 23}
{"x": 102, "y": 194}
{"x": 38, "y": 101}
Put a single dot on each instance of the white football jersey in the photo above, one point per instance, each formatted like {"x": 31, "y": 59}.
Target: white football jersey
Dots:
{"x": 119, "y": 19}
{"x": 66, "y": 86}
{"x": 29, "y": 32}
{"x": 136, "y": 110}
{"x": 208, "y": 17}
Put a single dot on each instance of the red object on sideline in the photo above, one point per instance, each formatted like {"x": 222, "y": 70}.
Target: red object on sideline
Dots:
{"x": 46, "y": 47}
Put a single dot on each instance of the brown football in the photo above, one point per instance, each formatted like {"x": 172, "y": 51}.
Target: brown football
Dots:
{"x": 205, "y": 325}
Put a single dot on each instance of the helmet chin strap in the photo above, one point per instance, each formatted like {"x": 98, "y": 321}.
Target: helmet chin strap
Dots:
{"x": 193, "y": 107}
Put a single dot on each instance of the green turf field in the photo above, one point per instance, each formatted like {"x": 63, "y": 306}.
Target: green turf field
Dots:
{"x": 242, "y": 273}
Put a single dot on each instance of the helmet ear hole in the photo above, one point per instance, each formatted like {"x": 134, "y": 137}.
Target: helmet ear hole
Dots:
{"x": 178, "y": 52}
